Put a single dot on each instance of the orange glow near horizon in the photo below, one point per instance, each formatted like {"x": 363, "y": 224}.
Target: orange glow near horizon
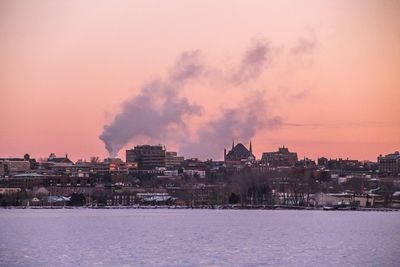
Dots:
{"x": 333, "y": 77}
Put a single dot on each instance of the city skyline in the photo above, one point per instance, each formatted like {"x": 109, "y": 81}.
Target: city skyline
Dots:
{"x": 223, "y": 158}
{"x": 323, "y": 83}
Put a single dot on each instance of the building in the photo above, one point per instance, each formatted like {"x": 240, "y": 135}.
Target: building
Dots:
{"x": 147, "y": 157}
{"x": 195, "y": 164}
{"x": 389, "y": 163}
{"x": 344, "y": 164}
{"x": 59, "y": 160}
{"x": 10, "y": 166}
{"x": 122, "y": 198}
{"x": 57, "y": 165}
{"x": 9, "y": 191}
{"x": 13, "y": 166}
{"x": 3, "y": 168}
{"x": 239, "y": 153}
{"x": 18, "y": 166}
{"x": 280, "y": 158}
{"x": 322, "y": 161}
{"x": 161, "y": 198}
{"x": 172, "y": 160}
{"x": 33, "y": 162}
{"x": 116, "y": 166}
{"x": 306, "y": 163}
{"x": 27, "y": 180}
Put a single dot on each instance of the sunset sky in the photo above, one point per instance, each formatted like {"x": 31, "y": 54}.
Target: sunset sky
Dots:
{"x": 329, "y": 84}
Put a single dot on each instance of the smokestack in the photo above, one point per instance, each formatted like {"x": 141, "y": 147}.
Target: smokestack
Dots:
{"x": 224, "y": 154}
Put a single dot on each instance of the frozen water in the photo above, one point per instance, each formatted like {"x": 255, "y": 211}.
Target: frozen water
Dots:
{"x": 87, "y": 237}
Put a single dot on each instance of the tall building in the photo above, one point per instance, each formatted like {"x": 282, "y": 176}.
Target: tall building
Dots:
{"x": 280, "y": 158}
{"x": 390, "y": 162}
{"x": 146, "y": 156}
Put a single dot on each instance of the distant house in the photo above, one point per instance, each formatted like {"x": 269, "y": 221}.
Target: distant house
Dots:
{"x": 35, "y": 202}
{"x": 57, "y": 200}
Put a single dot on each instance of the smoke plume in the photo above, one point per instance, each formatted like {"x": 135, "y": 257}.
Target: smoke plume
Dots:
{"x": 233, "y": 123}
{"x": 157, "y": 109}
{"x": 252, "y": 63}
{"x": 305, "y": 44}
{"x": 160, "y": 114}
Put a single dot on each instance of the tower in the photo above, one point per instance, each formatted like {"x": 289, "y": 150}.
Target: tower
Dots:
{"x": 251, "y": 148}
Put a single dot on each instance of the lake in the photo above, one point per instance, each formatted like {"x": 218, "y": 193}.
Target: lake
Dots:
{"x": 168, "y": 237}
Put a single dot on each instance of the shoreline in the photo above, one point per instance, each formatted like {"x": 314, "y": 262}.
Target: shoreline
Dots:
{"x": 277, "y": 207}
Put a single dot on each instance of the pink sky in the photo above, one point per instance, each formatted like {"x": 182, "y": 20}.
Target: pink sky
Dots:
{"x": 67, "y": 66}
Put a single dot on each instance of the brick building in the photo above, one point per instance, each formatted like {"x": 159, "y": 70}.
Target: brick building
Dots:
{"x": 283, "y": 157}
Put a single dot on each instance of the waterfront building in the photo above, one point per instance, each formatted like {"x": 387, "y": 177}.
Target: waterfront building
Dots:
{"x": 122, "y": 199}
{"x": 27, "y": 180}
{"x": 157, "y": 198}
